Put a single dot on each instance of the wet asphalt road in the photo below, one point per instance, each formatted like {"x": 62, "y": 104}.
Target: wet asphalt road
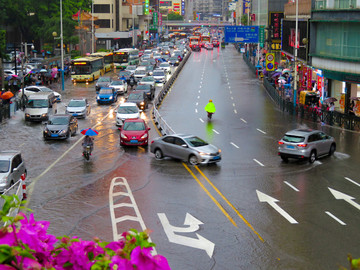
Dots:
{"x": 248, "y": 234}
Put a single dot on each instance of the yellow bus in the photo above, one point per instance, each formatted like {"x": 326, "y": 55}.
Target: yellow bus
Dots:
{"x": 86, "y": 69}
{"x": 108, "y": 59}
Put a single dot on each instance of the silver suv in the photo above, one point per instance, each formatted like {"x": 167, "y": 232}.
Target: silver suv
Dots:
{"x": 12, "y": 167}
{"x": 306, "y": 143}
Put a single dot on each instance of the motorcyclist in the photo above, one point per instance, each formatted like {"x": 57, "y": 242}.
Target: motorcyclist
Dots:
{"x": 210, "y": 108}
{"x": 123, "y": 78}
{"x": 132, "y": 81}
{"x": 88, "y": 141}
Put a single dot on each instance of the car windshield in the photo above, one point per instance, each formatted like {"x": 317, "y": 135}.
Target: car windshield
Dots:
{"x": 77, "y": 103}
{"x": 164, "y": 65}
{"x": 37, "y": 103}
{"x": 117, "y": 82}
{"x": 133, "y": 126}
{"x": 128, "y": 109}
{"x": 143, "y": 87}
{"x": 4, "y": 166}
{"x": 293, "y": 139}
{"x": 135, "y": 96}
{"x": 195, "y": 141}
{"x": 147, "y": 79}
{"x": 104, "y": 79}
{"x": 173, "y": 59}
{"x": 158, "y": 73}
{"x": 131, "y": 68}
{"x": 140, "y": 72}
{"x": 105, "y": 91}
{"x": 45, "y": 89}
{"x": 58, "y": 121}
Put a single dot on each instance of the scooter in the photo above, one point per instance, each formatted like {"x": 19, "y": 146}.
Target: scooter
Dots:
{"x": 87, "y": 152}
{"x": 209, "y": 115}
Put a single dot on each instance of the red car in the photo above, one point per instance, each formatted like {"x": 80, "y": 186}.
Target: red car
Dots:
{"x": 134, "y": 132}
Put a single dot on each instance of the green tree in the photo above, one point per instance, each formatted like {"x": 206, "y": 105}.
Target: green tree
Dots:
{"x": 172, "y": 16}
{"x": 244, "y": 19}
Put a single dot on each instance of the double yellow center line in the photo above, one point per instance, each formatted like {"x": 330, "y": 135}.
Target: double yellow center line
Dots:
{"x": 223, "y": 197}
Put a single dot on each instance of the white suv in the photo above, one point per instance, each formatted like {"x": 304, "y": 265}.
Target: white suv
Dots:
{"x": 38, "y": 89}
{"x": 125, "y": 111}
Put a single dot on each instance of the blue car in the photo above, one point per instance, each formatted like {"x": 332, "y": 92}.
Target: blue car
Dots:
{"x": 106, "y": 95}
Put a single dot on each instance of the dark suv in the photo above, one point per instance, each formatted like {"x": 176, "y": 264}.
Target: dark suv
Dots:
{"x": 60, "y": 126}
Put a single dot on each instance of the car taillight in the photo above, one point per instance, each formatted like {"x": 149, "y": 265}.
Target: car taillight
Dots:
{"x": 302, "y": 145}
{"x": 280, "y": 143}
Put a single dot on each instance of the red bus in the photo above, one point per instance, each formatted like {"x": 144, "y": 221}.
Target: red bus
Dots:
{"x": 204, "y": 39}
{"x": 194, "y": 41}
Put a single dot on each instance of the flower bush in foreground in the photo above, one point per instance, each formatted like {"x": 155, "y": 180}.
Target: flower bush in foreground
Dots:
{"x": 25, "y": 244}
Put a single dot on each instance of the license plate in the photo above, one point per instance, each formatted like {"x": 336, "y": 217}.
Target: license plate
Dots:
{"x": 54, "y": 135}
{"x": 216, "y": 158}
{"x": 133, "y": 141}
{"x": 290, "y": 147}
{"x": 75, "y": 114}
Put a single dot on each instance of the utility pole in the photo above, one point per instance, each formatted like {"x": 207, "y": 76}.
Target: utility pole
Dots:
{"x": 296, "y": 51}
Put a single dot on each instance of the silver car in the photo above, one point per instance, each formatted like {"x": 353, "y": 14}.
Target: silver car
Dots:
{"x": 78, "y": 107}
{"x": 185, "y": 147}
{"x": 306, "y": 143}
{"x": 12, "y": 167}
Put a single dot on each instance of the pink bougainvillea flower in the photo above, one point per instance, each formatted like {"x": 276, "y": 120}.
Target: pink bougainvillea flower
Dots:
{"x": 30, "y": 264}
{"x": 77, "y": 255}
{"x": 118, "y": 263}
{"x": 7, "y": 236}
{"x": 6, "y": 267}
{"x": 115, "y": 246}
{"x": 143, "y": 260}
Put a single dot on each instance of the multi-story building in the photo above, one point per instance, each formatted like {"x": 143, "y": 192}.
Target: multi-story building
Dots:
{"x": 335, "y": 48}
{"x": 116, "y": 20}
{"x": 208, "y": 8}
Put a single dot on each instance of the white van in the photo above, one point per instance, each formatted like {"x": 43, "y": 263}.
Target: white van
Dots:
{"x": 39, "y": 106}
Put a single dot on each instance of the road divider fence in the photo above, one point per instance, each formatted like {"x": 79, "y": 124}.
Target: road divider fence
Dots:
{"x": 160, "y": 122}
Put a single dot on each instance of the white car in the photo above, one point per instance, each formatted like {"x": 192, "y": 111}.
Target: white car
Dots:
{"x": 119, "y": 85}
{"x": 9, "y": 72}
{"x": 139, "y": 74}
{"x": 166, "y": 67}
{"x": 125, "y": 111}
{"x": 38, "y": 88}
{"x": 131, "y": 68}
{"x": 148, "y": 80}
{"x": 159, "y": 75}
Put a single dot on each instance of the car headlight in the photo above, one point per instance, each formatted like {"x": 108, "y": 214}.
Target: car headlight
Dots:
{"x": 97, "y": 97}
{"x": 46, "y": 130}
{"x": 111, "y": 97}
{"x": 63, "y": 131}
{"x": 123, "y": 136}
{"x": 44, "y": 115}
{"x": 142, "y": 103}
{"x": 144, "y": 136}
{"x": 27, "y": 115}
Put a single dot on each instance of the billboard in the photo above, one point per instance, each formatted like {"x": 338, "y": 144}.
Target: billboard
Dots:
{"x": 288, "y": 38}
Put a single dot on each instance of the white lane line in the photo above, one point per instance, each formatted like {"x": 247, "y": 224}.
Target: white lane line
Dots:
{"x": 229, "y": 86}
{"x": 198, "y": 97}
{"x": 263, "y": 132}
{"x": 215, "y": 131}
{"x": 200, "y": 86}
{"x": 234, "y": 145}
{"x": 258, "y": 162}
{"x": 337, "y": 219}
{"x": 199, "y": 91}
{"x": 230, "y": 91}
{"x": 243, "y": 120}
{"x": 233, "y": 104}
{"x": 235, "y": 111}
{"x": 290, "y": 185}
{"x": 232, "y": 98}
{"x": 352, "y": 181}
{"x": 201, "y": 120}
{"x": 196, "y": 111}
{"x": 197, "y": 103}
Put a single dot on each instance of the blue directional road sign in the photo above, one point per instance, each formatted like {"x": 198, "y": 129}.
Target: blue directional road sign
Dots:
{"x": 241, "y": 34}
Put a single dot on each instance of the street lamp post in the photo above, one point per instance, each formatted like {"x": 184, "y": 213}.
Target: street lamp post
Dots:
{"x": 133, "y": 26}
{"x": 296, "y": 50}
{"x": 92, "y": 26}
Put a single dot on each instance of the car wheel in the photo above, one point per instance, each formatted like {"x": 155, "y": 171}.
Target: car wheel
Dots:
{"x": 312, "y": 157}
{"x": 193, "y": 160}
{"x": 158, "y": 154}
{"x": 285, "y": 159}
{"x": 332, "y": 149}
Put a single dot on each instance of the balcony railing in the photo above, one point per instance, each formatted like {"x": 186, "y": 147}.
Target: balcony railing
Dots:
{"x": 337, "y": 4}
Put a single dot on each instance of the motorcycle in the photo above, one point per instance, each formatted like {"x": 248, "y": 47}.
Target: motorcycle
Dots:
{"x": 87, "y": 152}
{"x": 209, "y": 115}
{"x": 132, "y": 83}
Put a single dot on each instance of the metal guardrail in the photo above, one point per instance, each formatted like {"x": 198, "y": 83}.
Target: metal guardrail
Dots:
{"x": 162, "y": 125}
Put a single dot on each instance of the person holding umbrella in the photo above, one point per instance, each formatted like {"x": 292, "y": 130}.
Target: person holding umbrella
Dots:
{"x": 88, "y": 141}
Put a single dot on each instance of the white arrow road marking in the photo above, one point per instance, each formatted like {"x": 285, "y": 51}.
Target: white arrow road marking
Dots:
{"x": 272, "y": 202}
{"x": 337, "y": 219}
{"x": 342, "y": 196}
{"x": 352, "y": 181}
{"x": 200, "y": 242}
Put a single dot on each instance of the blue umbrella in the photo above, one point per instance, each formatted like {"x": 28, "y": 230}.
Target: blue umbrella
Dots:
{"x": 89, "y": 132}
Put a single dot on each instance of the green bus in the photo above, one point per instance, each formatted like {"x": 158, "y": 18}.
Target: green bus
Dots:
{"x": 125, "y": 57}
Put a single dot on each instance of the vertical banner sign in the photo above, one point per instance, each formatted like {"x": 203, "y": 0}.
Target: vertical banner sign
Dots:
{"x": 246, "y": 6}
{"x": 146, "y": 7}
{"x": 183, "y": 7}
{"x": 305, "y": 72}
{"x": 155, "y": 18}
{"x": 160, "y": 19}
{"x": 275, "y": 23}
{"x": 270, "y": 61}
{"x": 309, "y": 78}
{"x": 262, "y": 35}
